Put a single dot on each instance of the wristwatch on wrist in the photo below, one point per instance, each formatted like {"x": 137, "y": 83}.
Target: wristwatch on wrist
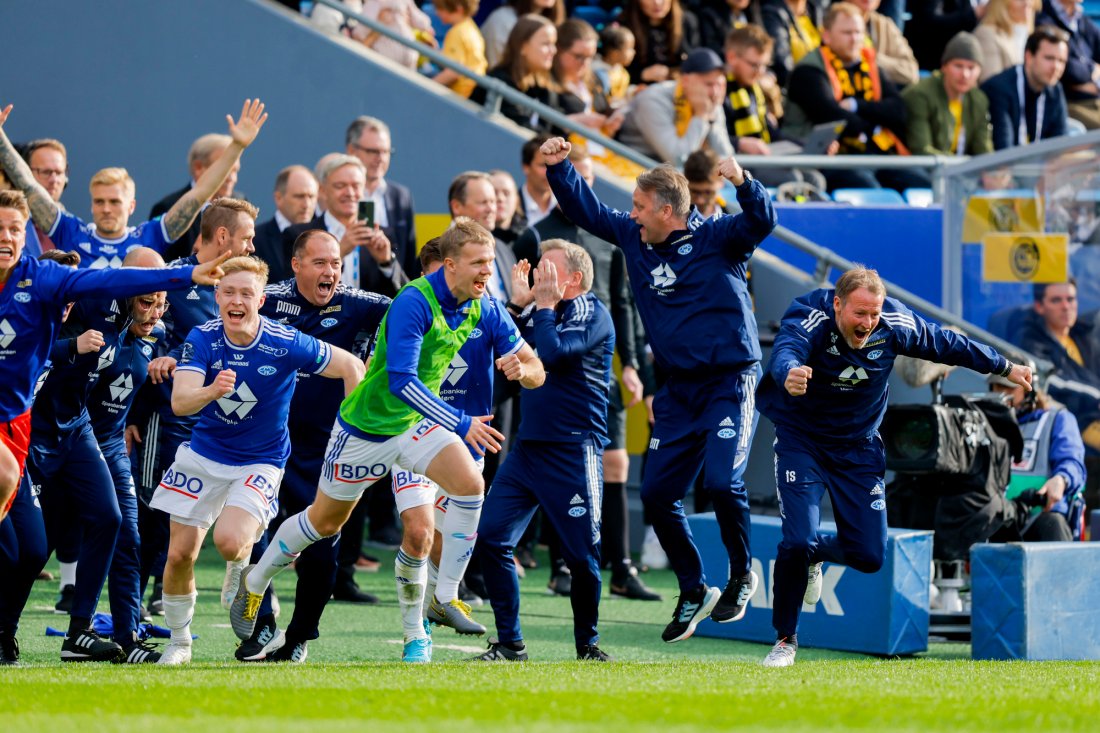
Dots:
{"x": 748, "y": 177}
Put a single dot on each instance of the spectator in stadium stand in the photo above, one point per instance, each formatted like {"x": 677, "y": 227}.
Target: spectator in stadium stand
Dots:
{"x": 664, "y": 34}
{"x": 932, "y": 23}
{"x": 840, "y": 81}
{"x": 947, "y": 113}
{"x": 202, "y": 154}
{"x": 463, "y": 43}
{"x": 670, "y": 120}
{"x": 1026, "y": 102}
{"x": 404, "y": 18}
{"x": 369, "y": 140}
{"x": 718, "y": 17}
{"x": 112, "y": 189}
{"x": 295, "y": 203}
{"x": 827, "y": 428}
{"x": 367, "y": 250}
{"x": 1003, "y": 34}
{"x": 580, "y": 89}
{"x": 616, "y": 54}
{"x": 895, "y": 57}
{"x": 498, "y": 26}
{"x": 1081, "y": 80}
{"x": 49, "y": 162}
{"x": 793, "y": 24}
{"x": 511, "y": 221}
{"x": 536, "y": 198}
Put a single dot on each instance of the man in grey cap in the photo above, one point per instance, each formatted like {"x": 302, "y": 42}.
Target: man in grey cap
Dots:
{"x": 947, "y": 113}
{"x": 671, "y": 120}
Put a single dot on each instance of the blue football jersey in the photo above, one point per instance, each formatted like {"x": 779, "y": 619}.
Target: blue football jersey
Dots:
{"x": 71, "y": 234}
{"x": 249, "y": 425}
{"x": 118, "y": 382}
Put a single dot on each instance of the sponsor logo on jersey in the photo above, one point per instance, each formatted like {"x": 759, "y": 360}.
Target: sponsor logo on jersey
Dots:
{"x": 193, "y": 294}
{"x": 180, "y": 482}
{"x": 663, "y": 276}
{"x": 239, "y": 402}
{"x": 832, "y": 350}
{"x": 351, "y": 474}
{"x": 22, "y": 297}
{"x": 455, "y": 370}
{"x": 147, "y": 350}
{"x": 878, "y": 504}
{"x": 331, "y": 309}
{"x": 217, "y": 365}
{"x": 238, "y": 357}
{"x": 874, "y": 354}
{"x": 727, "y": 433}
{"x": 121, "y": 387}
{"x": 853, "y": 375}
{"x": 329, "y": 323}
{"x": 476, "y": 333}
{"x": 7, "y": 334}
{"x": 272, "y": 350}
{"x": 685, "y": 249}
{"x": 267, "y": 370}
{"x": 23, "y": 283}
{"x": 654, "y": 443}
{"x": 576, "y": 499}
{"x": 727, "y": 422}
{"x": 283, "y": 307}
{"x": 578, "y": 511}
{"x": 879, "y": 489}
{"x": 106, "y": 358}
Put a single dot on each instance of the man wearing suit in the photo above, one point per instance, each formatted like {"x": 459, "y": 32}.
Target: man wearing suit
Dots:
{"x": 295, "y": 203}
{"x": 1026, "y": 103}
{"x": 368, "y": 139}
{"x": 201, "y": 156}
{"x": 536, "y": 198}
{"x": 369, "y": 260}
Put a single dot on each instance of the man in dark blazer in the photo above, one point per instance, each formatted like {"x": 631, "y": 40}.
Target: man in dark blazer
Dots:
{"x": 295, "y": 203}
{"x": 201, "y": 156}
{"x": 1036, "y": 81}
{"x": 368, "y": 139}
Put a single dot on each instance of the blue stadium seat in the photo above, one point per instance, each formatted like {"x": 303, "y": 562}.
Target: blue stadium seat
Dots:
{"x": 868, "y": 197}
{"x": 594, "y": 15}
{"x": 921, "y": 197}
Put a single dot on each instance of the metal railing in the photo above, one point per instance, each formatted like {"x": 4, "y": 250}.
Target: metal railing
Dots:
{"x": 825, "y": 259}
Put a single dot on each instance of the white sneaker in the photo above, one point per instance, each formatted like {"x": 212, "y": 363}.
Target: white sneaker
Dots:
{"x": 176, "y": 653}
{"x": 813, "y": 585}
{"x": 232, "y": 582}
{"x": 781, "y": 655}
{"x": 653, "y": 555}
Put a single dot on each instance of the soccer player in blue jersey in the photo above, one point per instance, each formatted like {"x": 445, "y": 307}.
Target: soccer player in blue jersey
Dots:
{"x": 237, "y": 372}
{"x": 826, "y": 390}
{"x": 467, "y": 385}
{"x": 105, "y": 242}
{"x": 557, "y": 461}
{"x": 316, "y": 303}
{"x": 689, "y": 280}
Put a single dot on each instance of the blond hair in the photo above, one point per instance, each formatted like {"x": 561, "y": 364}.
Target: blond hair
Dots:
{"x": 15, "y": 200}
{"x": 463, "y": 231}
{"x": 112, "y": 177}
{"x": 224, "y": 213}
{"x": 576, "y": 260}
{"x": 838, "y": 9}
{"x": 996, "y": 15}
{"x": 246, "y": 264}
{"x": 859, "y": 277}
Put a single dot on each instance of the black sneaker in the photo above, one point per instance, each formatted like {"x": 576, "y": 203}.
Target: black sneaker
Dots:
{"x": 9, "y": 649}
{"x": 289, "y": 652}
{"x": 561, "y": 582}
{"x": 64, "y": 603}
{"x": 735, "y": 599}
{"x": 498, "y": 652}
{"x": 156, "y": 605}
{"x": 140, "y": 652}
{"x": 349, "y": 592}
{"x": 263, "y": 641}
{"x": 88, "y": 646}
{"x": 633, "y": 588}
{"x": 592, "y": 653}
{"x": 692, "y": 608}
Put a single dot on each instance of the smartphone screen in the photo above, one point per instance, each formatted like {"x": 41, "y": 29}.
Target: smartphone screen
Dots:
{"x": 366, "y": 212}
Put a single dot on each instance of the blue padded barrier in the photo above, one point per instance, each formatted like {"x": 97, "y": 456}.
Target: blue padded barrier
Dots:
{"x": 1035, "y": 601}
{"x": 883, "y": 613}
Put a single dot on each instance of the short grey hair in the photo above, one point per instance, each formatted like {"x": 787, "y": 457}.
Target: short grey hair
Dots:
{"x": 204, "y": 148}
{"x": 365, "y": 122}
{"x": 334, "y": 161}
{"x": 577, "y": 259}
{"x": 669, "y": 187}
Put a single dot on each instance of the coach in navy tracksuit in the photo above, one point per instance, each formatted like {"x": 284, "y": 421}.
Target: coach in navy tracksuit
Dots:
{"x": 689, "y": 277}
{"x": 557, "y": 461}
{"x": 826, "y": 391}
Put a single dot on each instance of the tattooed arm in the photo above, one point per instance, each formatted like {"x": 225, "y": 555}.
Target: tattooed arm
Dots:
{"x": 44, "y": 210}
{"x": 180, "y": 217}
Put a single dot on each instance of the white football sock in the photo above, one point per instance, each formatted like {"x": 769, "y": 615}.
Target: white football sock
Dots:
{"x": 459, "y": 536}
{"x": 411, "y": 574}
{"x": 294, "y": 535}
{"x": 178, "y": 612}
{"x": 433, "y": 579}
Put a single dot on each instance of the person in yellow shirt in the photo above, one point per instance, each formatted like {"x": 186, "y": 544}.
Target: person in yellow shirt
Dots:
{"x": 463, "y": 43}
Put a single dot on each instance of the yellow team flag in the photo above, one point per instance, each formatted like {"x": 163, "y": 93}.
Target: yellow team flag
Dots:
{"x": 1025, "y": 257}
{"x": 989, "y": 213}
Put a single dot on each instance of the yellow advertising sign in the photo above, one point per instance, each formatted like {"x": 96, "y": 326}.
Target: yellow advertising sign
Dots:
{"x": 1025, "y": 257}
{"x": 986, "y": 214}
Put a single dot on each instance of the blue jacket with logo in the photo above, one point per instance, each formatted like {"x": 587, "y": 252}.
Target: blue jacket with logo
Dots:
{"x": 848, "y": 391}
{"x": 691, "y": 290}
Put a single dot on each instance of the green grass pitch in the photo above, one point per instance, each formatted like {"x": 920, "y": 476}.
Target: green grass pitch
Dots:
{"x": 353, "y": 679}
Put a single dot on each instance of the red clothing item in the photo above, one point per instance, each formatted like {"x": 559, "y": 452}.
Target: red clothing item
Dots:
{"x": 16, "y": 435}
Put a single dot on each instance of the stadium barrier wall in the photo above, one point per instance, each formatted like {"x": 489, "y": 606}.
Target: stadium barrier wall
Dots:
{"x": 882, "y": 613}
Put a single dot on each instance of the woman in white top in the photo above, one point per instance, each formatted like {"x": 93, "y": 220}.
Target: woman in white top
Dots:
{"x": 1003, "y": 32}
{"x": 498, "y": 26}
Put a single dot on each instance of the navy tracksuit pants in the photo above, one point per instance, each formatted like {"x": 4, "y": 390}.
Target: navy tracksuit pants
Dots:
{"x": 23, "y": 554}
{"x": 852, "y": 473}
{"x": 124, "y": 575}
{"x": 76, "y": 485}
{"x": 565, "y": 479}
{"x": 703, "y": 422}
